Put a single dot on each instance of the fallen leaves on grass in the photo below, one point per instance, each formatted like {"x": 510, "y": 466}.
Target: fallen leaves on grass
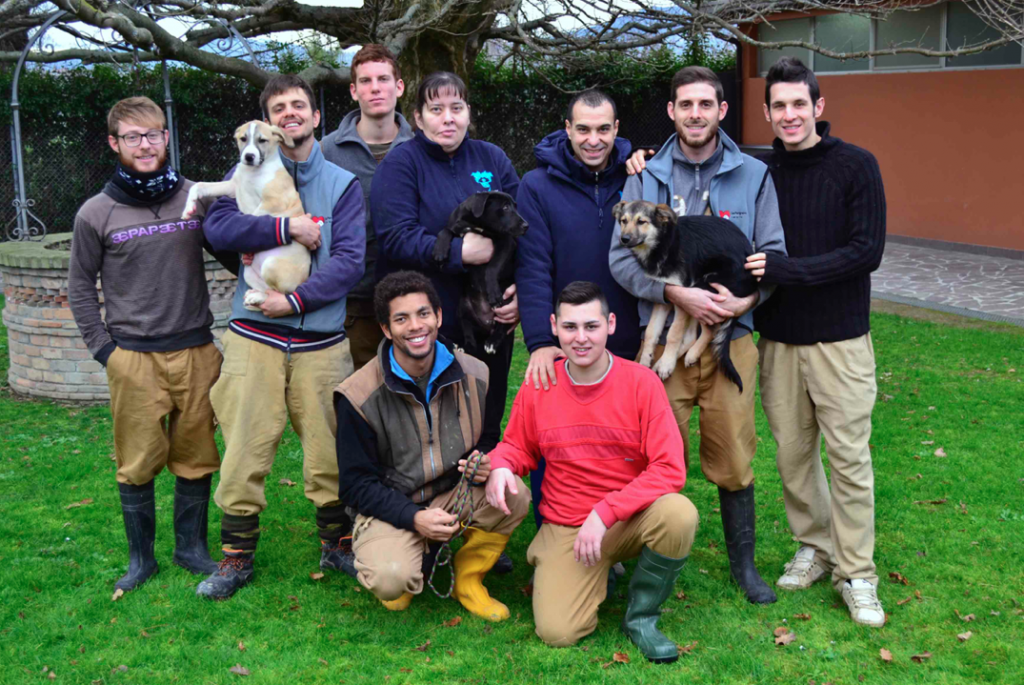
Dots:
{"x": 453, "y": 622}
{"x": 921, "y": 658}
{"x": 118, "y": 594}
{"x": 903, "y": 601}
{"x": 75, "y": 505}
{"x": 885, "y": 655}
{"x": 783, "y": 636}
{"x": 239, "y": 669}
{"x": 802, "y": 617}
{"x": 927, "y": 442}
{"x": 286, "y": 482}
{"x": 617, "y": 658}
{"x": 898, "y": 578}
{"x": 932, "y": 501}
{"x": 966, "y": 619}
{"x": 241, "y": 646}
{"x": 424, "y": 647}
{"x": 917, "y": 593}
{"x": 964, "y": 637}
{"x": 316, "y": 576}
{"x": 323, "y": 662}
{"x": 680, "y": 595}
{"x": 687, "y": 648}
{"x": 405, "y": 670}
{"x": 940, "y": 452}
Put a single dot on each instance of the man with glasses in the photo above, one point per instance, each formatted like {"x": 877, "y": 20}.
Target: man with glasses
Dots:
{"x": 156, "y": 341}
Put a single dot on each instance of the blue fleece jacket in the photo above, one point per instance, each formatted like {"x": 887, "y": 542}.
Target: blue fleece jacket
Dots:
{"x": 569, "y": 209}
{"x": 414, "y": 191}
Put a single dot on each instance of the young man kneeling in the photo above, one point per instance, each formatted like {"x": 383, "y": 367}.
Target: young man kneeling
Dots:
{"x": 614, "y": 470}
{"x": 407, "y": 422}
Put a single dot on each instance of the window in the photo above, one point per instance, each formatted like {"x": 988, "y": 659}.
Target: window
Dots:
{"x": 950, "y": 24}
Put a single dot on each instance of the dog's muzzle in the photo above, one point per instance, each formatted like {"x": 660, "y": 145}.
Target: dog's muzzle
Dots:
{"x": 630, "y": 240}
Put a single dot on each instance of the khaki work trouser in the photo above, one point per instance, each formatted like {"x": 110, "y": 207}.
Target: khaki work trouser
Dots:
{"x": 364, "y": 336}
{"x": 160, "y": 402}
{"x": 566, "y": 594}
{"x": 389, "y": 560}
{"x": 260, "y": 388}
{"x": 829, "y": 388}
{"x": 728, "y": 440}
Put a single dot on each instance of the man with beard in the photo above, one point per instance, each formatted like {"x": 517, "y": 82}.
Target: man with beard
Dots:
{"x": 364, "y": 137}
{"x": 817, "y": 360}
{"x": 407, "y": 425}
{"x": 700, "y": 170}
{"x": 156, "y": 342}
{"x": 281, "y": 362}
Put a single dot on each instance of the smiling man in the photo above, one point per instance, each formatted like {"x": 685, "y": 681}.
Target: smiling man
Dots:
{"x": 611, "y": 493}
{"x": 817, "y": 359}
{"x": 155, "y": 340}
{"x": 700, "y": 170}
{"x": 282, "y": 362}
{"x": 407, "y": 424}
{"x": 361, "y": 142}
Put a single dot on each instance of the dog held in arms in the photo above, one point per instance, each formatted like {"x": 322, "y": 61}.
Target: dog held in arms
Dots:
{"x": 492, "y": 215}
{"x": 693, "y": 252}
{"x": 262, "y": 186}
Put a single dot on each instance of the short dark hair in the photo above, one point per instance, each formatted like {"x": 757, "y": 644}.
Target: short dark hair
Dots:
{"x": 435, "y": 83}
{"x": 695, "y": 74}
{"x": 581, "y": 292}
{"x": 790, "y": 70}
{"x": 374, "y": 52}
{"x": 399, "y": 284}
{"x": 281, "y": 83}
{"x": 591, "y": 98}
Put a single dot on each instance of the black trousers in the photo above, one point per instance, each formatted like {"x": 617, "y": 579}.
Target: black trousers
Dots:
{"x": 498, "y": 364}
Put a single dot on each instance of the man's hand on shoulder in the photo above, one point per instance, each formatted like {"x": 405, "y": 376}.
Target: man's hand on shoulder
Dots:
{"x": 587, "y": 547}
{"x": 637, "y": 161}
{"x": 435, "y": 524}
{"x": 541, "y": 368}
{"x": 500, "y": 480}
{"x": 698, "y": 303}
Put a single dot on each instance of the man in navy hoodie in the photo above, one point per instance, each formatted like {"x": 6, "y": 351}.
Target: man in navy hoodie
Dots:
{"x": 568, "y": 200}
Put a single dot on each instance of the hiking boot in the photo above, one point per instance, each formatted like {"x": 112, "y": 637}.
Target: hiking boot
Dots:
{"x": 738, "y": 523}
{"x": 474, "y": 559}
{"x": 234, "y": 571}
{"x": 191, "y": 511}
{"x": 652, "y": 583}
{"x": 503, "y": 565}
{"x": 801, "y": 572}
{"x": 138, "y": 507}
{"x": 338, "y": 556}
{"x": 862, "y": 599}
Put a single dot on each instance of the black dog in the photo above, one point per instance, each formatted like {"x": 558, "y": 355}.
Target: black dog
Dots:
{"x": 694, "y": 252}
{"x": 492, "y": 215}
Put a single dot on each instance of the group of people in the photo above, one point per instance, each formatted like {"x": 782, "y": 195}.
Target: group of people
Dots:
{"x": 400, "y": 421}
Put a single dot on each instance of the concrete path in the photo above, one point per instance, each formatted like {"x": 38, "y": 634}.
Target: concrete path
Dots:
{"x": 979, "y": 286}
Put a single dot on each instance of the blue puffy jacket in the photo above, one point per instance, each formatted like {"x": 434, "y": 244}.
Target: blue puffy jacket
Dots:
{"x": 569, "y": 209}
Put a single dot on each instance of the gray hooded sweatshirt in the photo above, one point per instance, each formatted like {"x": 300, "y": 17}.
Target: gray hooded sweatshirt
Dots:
{"x": 345, "y": 148}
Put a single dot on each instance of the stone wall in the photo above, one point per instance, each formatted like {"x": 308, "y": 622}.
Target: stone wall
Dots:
{"x": 48, "y": 356}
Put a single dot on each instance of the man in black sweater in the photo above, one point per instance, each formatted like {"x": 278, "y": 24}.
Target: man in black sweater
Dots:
{"x": 817, "y": 361}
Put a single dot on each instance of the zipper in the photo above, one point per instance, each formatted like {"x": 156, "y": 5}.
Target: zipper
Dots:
{"x": 597, "y": 199}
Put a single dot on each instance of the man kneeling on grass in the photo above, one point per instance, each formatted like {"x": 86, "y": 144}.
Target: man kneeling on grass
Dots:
{"x": 611, "y": 492}
{"x": 407, "y": 423}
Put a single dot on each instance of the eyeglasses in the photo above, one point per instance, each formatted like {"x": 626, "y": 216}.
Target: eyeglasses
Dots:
{"x": 133, "y": 139}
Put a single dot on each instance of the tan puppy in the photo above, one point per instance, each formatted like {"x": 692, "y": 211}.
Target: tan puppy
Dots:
{"x": 262, "y": 186}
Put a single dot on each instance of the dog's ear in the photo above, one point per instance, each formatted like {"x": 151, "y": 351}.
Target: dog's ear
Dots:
{"x": 618, "y": 209}
{"x": 281, "y": 136}
{"x": 664, "y": 215}
{"x": 477, "y": 202}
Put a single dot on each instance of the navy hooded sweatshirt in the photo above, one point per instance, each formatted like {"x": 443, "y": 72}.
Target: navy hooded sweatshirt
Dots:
{"x": 569, "y": 209}
{"x": 414, "y": 191}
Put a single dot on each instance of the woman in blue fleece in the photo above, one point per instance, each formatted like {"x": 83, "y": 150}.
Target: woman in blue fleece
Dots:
{"x": 414, "y": 191}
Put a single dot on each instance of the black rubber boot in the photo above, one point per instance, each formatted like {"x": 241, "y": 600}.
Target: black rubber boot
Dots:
{"x": 191, "y": 513}
{"x": 503, "y": 565}
{"x": 738, "y": 523}
{"x": 139, "y": 509}
{"x": 652, "y": 583}
{"x": 338, "y": 556}
{"x": 234, "y": 571}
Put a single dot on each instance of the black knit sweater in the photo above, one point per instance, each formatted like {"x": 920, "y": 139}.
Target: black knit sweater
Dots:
{"x": 832, "y": 206}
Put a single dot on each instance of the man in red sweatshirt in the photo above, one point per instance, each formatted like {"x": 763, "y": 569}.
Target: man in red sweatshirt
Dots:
{"x": 611, "y": 492}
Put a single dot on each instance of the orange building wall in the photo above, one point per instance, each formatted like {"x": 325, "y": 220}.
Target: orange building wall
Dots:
{"x": 950, "y": 145}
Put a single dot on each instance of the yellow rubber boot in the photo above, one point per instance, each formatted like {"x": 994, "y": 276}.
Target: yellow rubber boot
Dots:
{"x": 400, "y": 604}
{"x": 475, "y": 558}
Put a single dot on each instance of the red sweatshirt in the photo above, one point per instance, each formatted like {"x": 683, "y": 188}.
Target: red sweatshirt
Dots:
{"x": 613, "y": 447}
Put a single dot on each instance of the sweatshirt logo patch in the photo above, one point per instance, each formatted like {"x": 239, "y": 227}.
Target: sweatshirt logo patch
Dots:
{"x": 724, "y": 214}
{"x": 484, "y": 178}
{"x": 319, "y": 220}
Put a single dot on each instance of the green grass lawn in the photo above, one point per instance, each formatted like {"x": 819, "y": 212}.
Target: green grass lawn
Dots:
{"x": 940, "y": 386}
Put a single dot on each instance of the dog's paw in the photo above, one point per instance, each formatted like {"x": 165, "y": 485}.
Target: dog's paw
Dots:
{"x": 253, "y": 299}
{"x": 664, "y": 367}
{"x": 690, "y": 358}
{"x": 647, "y": 359}
{"x": 190, "y": 209}
{"x": 490, "y": 349}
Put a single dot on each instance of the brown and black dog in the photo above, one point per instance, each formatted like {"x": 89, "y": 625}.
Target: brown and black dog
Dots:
{"x": 693, "y": 252}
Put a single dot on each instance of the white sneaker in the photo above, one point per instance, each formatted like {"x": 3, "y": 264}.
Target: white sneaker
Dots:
{"x": 862, "y": 599}
{"x": 801, "y": 572}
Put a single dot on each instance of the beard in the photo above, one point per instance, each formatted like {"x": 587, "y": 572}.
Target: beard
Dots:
{"x": 709, "y": 134}
{"x": 128, "y": 160}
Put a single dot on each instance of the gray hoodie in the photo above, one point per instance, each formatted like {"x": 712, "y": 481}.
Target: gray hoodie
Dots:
{"x": 345, "y": 148}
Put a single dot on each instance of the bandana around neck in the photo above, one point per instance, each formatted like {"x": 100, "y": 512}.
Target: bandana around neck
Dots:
{"x": 149, "y": 187}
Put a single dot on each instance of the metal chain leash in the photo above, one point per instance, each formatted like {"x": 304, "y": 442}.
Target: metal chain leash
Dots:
{"x": 463, "y": 497}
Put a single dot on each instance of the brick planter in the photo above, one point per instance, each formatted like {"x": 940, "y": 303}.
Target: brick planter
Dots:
{"x": 48, "y": 356}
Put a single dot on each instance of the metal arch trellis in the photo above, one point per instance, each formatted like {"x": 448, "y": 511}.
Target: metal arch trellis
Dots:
{"x": 26, "y": 224}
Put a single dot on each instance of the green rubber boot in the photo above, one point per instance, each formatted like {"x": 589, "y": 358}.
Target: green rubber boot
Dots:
{"x": 652, "y": 583}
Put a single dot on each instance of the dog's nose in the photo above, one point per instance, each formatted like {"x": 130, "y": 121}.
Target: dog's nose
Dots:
{"x": 624, "y": 239}
{"x": 249, "y": 158}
